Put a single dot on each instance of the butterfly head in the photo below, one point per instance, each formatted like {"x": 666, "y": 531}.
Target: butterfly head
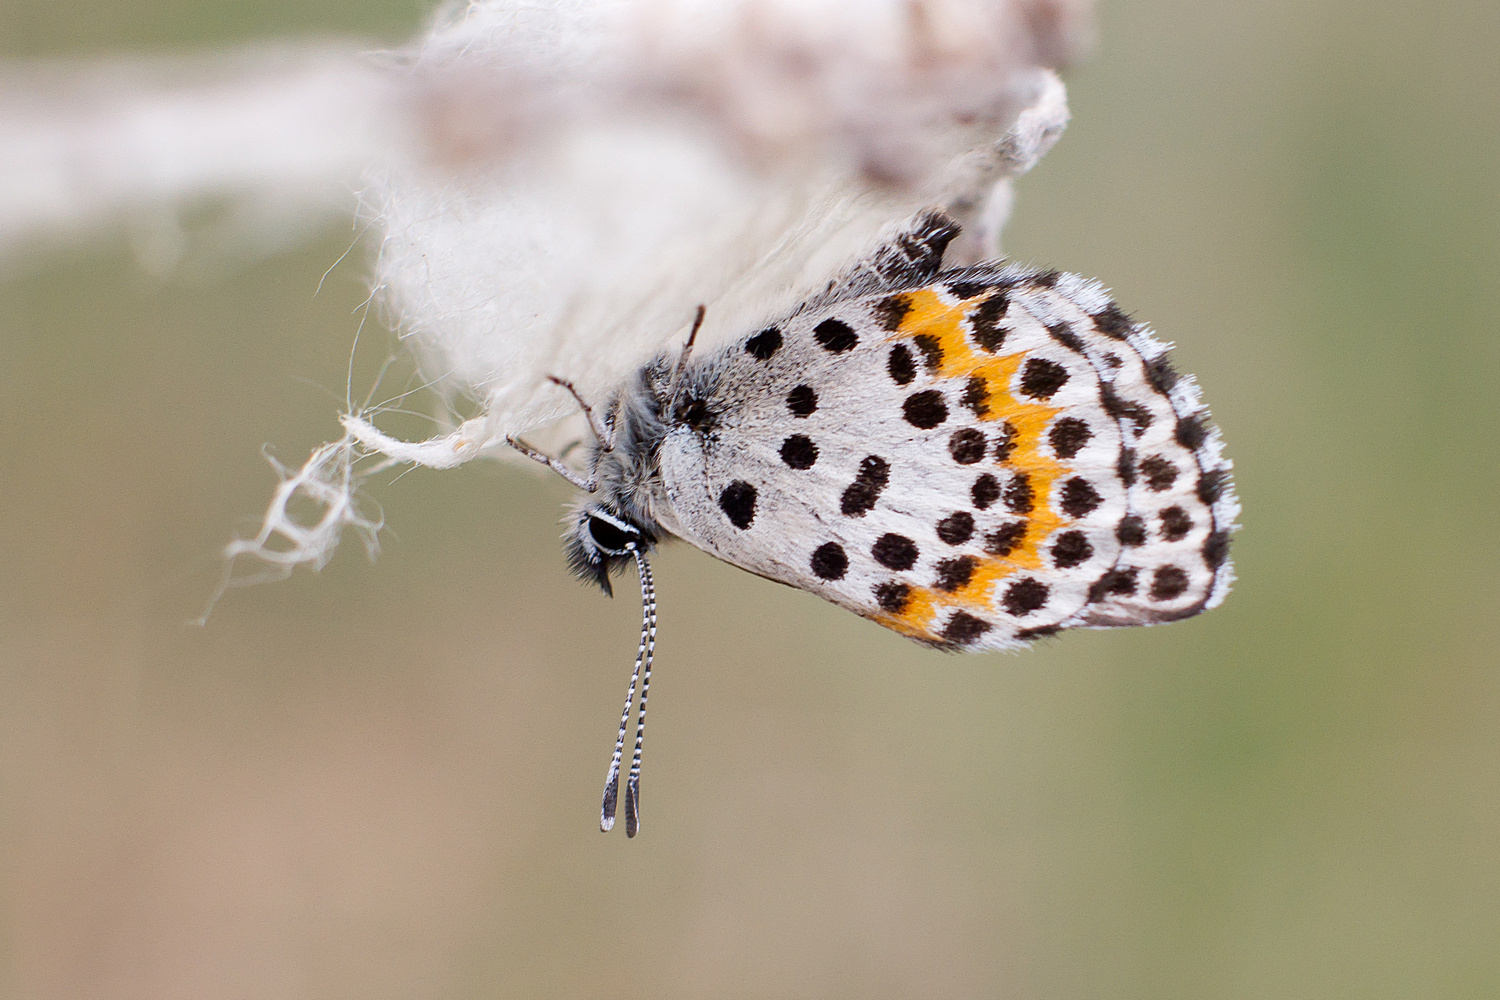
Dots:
{"x": 600, "y": 541}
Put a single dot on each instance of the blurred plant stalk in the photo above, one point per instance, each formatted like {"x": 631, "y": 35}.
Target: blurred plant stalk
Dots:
{"x": 248, "y": 151}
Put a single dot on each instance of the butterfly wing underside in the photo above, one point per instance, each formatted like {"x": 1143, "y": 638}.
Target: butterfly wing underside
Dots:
{"x": 990, "y": 456}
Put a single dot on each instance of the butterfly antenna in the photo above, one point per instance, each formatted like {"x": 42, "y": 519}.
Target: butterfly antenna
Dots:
{"x": 682, "y": 360}
{"x": 645, "y": 653}
{"x": 648, "y": 636}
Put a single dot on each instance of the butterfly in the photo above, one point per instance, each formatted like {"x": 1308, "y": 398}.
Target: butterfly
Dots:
{"x": 973, "y": 457}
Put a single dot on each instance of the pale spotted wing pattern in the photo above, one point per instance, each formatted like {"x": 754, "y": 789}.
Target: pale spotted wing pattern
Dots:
{"x": 973, "y": 458}
{"x": 990, "y": 456}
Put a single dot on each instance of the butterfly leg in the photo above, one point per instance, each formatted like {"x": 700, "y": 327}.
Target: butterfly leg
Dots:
{"x": 556, "y": 465}
{"x": 682, "y": 360}
{"x": 604, "y": 430}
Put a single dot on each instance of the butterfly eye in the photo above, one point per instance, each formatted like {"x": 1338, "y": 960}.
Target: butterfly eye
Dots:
{"x": 611, "y": 537}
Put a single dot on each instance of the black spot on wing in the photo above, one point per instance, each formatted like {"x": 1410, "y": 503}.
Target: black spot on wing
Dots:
{"x": 1168, "y": 584}
{"x": 737, "y": 501}
{"x": 1019, "y": 496}
{"x": 900, "y": 365}
{"x": 895, "y": 551}
{"x": 985, "y": 491}
{"x": 799, "y": 452}
{"x": 1005, "y": 540}
{"x": 1216, "y": 549}
{"x": 1175, "y": 524}
{"x": 1064, "y": 335}
{"x": 835, "y": 335}
{"x": 1191, "y": 432}
{"x": 1069, "y": 436}
{"x": 1211, "y": 485}
{"x": 954, "y": 574}
{"x": 802, "y": 401}
{"x": 977, "y": 396}
{"x": 892, "y": 596}
{"x": 860, "y": 496}
{"x": 1041, "y": 379}
{"x": 1071, "y": 548}
{"x": 829, "y": 561}
{"x": 1160, "y": 373}
{"x": 764, "y": 344}
{"x": 966, "y": 289}
{"x": 891, "y": 310}
{"x": 1006, "y": 444}
{"x": 1159, "y": 473}
{"x": 1079, "y": 497}
{"x": 1025, "y": 596}
{"x": 956, "y": 528}
{"x": 925, "y": 410}
{"x": 967, "y": 446}
{"x": 932, "y": 351}
{"x": 964, "y": 629}
{"x": 984, "y": 321}
{"x": 1131, "y": 531}
{"x": 1113, "y": 323}
{"x": 1115, "y": 583}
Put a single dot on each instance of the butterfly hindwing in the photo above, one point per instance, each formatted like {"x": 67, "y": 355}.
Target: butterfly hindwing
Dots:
{"x": 960, "y": 461}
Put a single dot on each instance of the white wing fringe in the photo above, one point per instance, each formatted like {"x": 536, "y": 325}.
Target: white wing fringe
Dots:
{"x": 576, "y": 177}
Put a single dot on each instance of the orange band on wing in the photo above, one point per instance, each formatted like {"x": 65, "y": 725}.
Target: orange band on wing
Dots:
{"x": 930, "y": 314}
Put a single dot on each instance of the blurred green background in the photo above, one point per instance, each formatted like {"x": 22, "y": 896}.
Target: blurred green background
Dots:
{"x": 382, "y": 781}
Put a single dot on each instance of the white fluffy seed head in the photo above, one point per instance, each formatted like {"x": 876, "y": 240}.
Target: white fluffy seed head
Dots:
{"x": 595, "y": 171}
{"x": 579, "y": 176}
